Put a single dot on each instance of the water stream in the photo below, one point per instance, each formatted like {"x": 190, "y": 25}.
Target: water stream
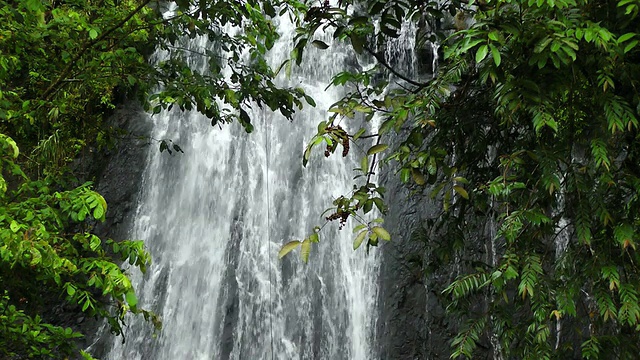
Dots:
{"x": 214, "y": 219}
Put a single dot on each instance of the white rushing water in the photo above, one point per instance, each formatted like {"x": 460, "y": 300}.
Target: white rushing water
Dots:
{"x": 214, "y": 219}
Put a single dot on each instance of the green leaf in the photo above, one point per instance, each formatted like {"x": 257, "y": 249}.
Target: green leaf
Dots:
{"x": 387, "y": 125}
{"x": 359, "y": 228}
{"x": 320, "y": 44}
{"x": 269, "y": 9}
{"x": 306, "y": 156}
{"x": 36, "y": 257}
{"x": 309, "y": 100}
{"x": 322, "y": 126}
{"x": 132, "y": 300}
{"x": 368, "y": 206}
{"x": 94, "y": 243}
{"x": 360, "y": 132}
{"x": 288, "y": 247}
{"x": 359, "y": 239}
{"x": 357, "y": 42}
{"x": 14, "y": 226}
{"x": 382, "y": 233}
{"x": 460, "y": 190}
{"x": 468, "y": 45}
{"x": 131, "y": 80}
{"x": 377, "y": 148}
{"x": 482, "y": 52}
{"x": 82, "y": 214}
{"x": 93, "y": 34}
{"x": 418, "y": 177}
{"x": 13, "y": 146}
{"x": 305, "y": 250}
{"x": 379, "y": 204}
{"x": 98, "y": 213}
{"x": 625, "y": 37}
{"x": 364, "y": 164}
{"x": 86, "y": 304}
{"x": 495, "y": 53}
{"x": 286, "y": 63}
{"x": 630, "y": 46}
{"x": 405, "y": 175}
{"x": 245, "y": 120}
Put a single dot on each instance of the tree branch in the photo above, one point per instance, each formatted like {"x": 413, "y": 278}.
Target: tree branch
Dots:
{"x": 381, "y": 60}
{"x": 53, "y": 88}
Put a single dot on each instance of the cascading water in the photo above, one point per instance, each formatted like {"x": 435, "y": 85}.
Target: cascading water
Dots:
{"x": 214, "y": 219}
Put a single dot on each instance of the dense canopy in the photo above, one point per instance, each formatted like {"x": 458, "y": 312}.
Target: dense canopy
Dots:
{"x": 526, "y": 134}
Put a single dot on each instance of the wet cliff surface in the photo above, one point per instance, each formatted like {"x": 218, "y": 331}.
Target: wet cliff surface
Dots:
{"x": 120, "y": 179}
{"x": 117, "y": 176}
{"x": 414, "y": 323}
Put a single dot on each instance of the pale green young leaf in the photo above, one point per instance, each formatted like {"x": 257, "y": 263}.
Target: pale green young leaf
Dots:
{"x": 305, "y": 250}
{"x": 359, "y": 239}
{"x": 381, "y": 232}
{"x": 288, "y": 247}
{"x": 131, "y": 298}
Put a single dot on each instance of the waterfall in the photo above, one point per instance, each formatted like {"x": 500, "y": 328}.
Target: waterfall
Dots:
{"x": 214, "y": 219}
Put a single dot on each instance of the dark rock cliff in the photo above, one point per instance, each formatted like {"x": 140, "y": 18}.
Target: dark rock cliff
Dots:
{"x": 117, "y": 174}
{"x": 402, "y": 325}
{"x": 121, "y": 177}
{"x": 413, "y": 322}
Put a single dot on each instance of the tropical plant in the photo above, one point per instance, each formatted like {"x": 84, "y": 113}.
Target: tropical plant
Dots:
{"x": 64, "y": 65}
{"x": 41, "y": 260}
{"x": 530, "y": 123}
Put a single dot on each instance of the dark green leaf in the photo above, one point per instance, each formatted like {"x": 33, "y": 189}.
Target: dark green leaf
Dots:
{"x": 377, "y": 148}
{"x": 320, "y": 44}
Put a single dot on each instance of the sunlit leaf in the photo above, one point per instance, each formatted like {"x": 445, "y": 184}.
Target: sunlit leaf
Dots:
{"x": 460, "y": 190}
{"x": 481, "y": 53}
{"x": 305, "y": 250}
{"x": 359, "y": 239}
{"x": 132, "y": 300}
{"x": 288, "y": 247}
{"x": 381, "y": 232}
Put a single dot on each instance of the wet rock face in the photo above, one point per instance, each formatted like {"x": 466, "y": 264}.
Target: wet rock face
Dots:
{"x": 117, "y": 175}
{"x": 120, "y": 179}
{"x": 413, "y": 322}
{"x": 402, "y": 326}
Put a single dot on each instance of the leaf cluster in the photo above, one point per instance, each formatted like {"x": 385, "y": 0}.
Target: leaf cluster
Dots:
{"x": 64, "y": 66}
{"x": 531, "y": 124}
{"x": 41, "y": 257}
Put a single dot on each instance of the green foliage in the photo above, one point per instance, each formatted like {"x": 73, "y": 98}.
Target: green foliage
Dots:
{"x": 531, "y": 124}
{"x": 30, "y": 336}
{"x": 64, "y": 66}
{"x": 39, "y": 257}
